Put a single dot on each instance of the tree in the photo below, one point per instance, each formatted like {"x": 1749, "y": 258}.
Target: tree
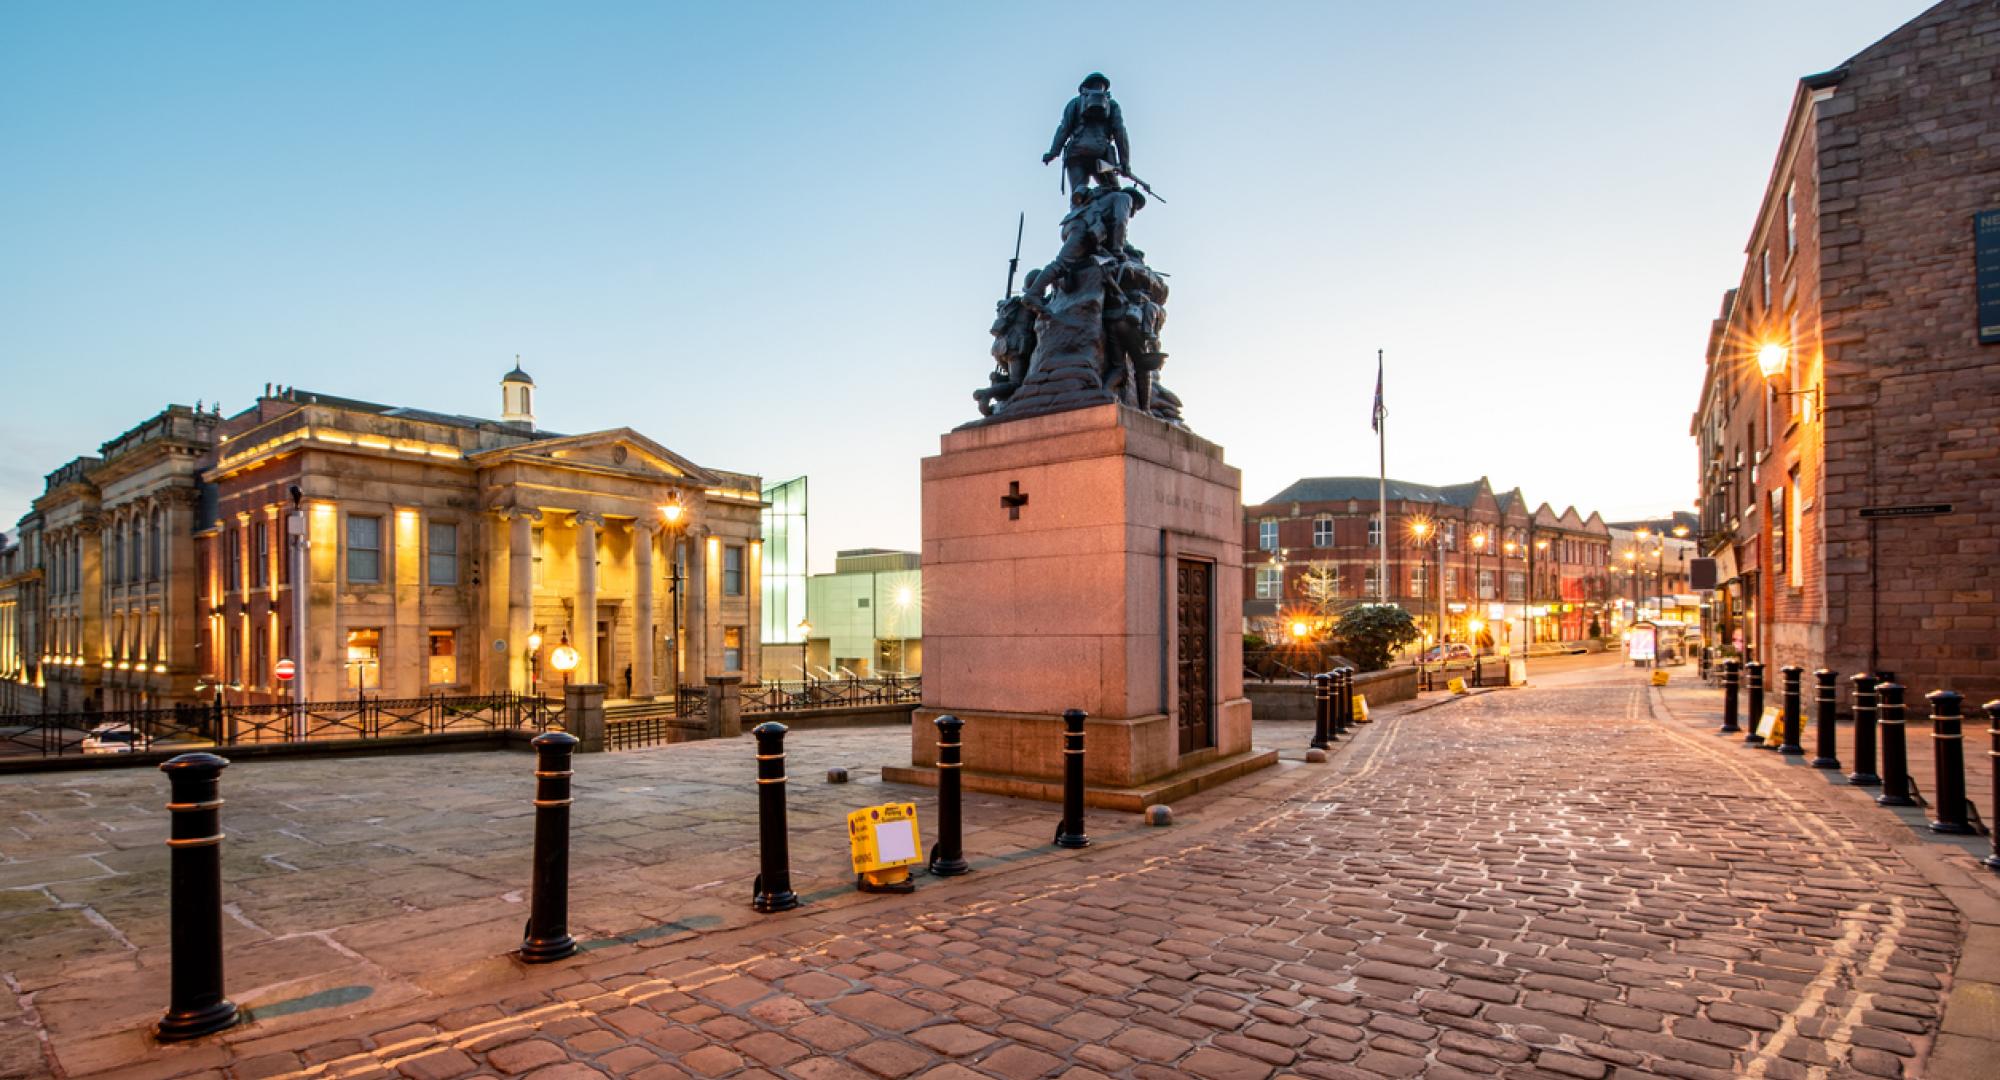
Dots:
{"x": 1372, "y": 633}
{"x": 1320, "y": 585}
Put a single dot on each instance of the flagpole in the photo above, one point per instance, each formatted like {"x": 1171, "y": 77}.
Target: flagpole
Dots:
{"x": 1382, "y": 490}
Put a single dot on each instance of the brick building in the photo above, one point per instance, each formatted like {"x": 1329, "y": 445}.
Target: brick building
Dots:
{"x": 1313, "y": 550}
{"x": 1858, "y": 295}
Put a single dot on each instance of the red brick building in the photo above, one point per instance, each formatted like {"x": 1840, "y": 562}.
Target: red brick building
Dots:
{"x": 1859, "y": 292}
{"x": 1313, "y": 550}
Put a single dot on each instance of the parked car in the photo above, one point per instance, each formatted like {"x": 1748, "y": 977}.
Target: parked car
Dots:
{"x": 1456, "y": 650}
{"x": 114, "y": 739}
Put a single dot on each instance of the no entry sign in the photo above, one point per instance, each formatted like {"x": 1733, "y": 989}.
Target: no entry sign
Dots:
{"x": 286, "y": 669}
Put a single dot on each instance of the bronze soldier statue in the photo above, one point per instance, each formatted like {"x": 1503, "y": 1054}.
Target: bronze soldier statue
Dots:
{"x": 1091, "y": 138}
{"x": 1013, "y": 344}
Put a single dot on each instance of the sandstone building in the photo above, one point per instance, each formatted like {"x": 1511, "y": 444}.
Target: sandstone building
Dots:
{"x": 386, "y": 551}
{"x": 1860, "y": 292}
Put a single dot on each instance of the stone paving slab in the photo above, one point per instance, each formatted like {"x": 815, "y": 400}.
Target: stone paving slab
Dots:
{"x": 1559, "y": 881}
{"x": 395, "y": 879}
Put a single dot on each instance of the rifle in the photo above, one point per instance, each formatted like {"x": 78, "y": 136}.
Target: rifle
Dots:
{"x": 1014, "y": 263}
{"x": 1145, "y": 187}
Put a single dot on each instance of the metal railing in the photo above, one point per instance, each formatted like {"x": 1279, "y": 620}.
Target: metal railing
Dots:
{"x": 189, "y": 727}
{"x": 778, "y": 697}
{"x": 650, "y": 723}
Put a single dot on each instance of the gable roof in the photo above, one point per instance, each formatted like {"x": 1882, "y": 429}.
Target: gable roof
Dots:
{"x": 1367, "y": 489}
{"x": 551, "y": 450}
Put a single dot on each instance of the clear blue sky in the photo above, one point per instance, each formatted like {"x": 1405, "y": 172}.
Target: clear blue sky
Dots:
{"x": 771, "y": 236}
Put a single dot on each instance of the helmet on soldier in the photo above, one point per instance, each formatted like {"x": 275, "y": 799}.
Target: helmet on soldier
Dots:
{"x": 1096, "y": 77}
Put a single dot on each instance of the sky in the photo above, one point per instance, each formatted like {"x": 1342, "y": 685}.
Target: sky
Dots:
{"x": 770, "y": 236}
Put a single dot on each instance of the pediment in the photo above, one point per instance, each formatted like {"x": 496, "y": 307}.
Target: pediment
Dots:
{"x": 618, "y": 450}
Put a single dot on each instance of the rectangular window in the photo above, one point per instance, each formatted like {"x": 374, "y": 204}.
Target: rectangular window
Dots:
{"x": 1793, "y": 534}
{"x": 1517, "y": 585}
{"x": 443, "y": 657}
{"x": 442, "y": 559}
{"x": 285, "y": 551}
{"x": 1791, "y": 219}
{"x": 1322, "y": 531}
{"x": 1420, "y": 581}
{"x": 260, "y": 554}
{"x": 1267, "y": 534}
{"x": 1780, "y": 543}
{"x": 1765, "y": 262}
{"x": 364, "y": 657}
{"x": 1451, "y": 536}
{"x": 364, "y": 550}
{"x": 1486, "y": 585}
{"x": 233, "y": 660}
{"x": 1270, "y": 582}
{"x": 1451, "y": 580}
{"x": 260, "y": 663}
{"x": 732, "y": 571}
{"x": 1374, "y": 532}
{"x": 1371, "y": 585}
{"x": 232, "y": 560}
{"x": 732, "y": 648}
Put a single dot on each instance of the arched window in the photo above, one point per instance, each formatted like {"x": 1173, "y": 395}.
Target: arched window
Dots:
{"x": 155, "y": 545}
{"x": 115, "y": 571}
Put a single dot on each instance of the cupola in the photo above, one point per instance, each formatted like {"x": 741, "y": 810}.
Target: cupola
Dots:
{"x": 517, "y": 397}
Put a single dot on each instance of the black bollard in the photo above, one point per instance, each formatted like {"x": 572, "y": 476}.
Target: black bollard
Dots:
{"x": 1322, "y": 706}
{"x": 1732, "y": 674}
{"x": 1753, "y": 717}
{"x": 1864, "y": 732}
{"x": 1825, "y": 734}
{"x": 1793, "y": 674}
{"x": 1342, "y": 721}
{"x": 1948, "y": 752}
{"x": 196, "y": 1006}
{"x": 1069, "y": 833}
{"x": 547, "y": 936}
{"x": 1895, "y": 755}
{"x": 772, "y": 890}
{"x": 948, "y": 854}
{"x": 1993, "y": 732}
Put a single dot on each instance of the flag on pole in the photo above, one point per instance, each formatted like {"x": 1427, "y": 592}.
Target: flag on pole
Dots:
{"x": 1380, "y": 412}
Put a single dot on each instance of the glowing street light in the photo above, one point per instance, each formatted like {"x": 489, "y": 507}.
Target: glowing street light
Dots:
{"x": 564, "y": 659}
{"x": 1300, "y": 629}
{"x": 1772, "y": 359}
{"x": 534, "y": 662}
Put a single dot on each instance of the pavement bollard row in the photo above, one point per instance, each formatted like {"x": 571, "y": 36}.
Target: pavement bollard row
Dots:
{"x": 1322, "y": 710}
{"x": 1732, "y": 675}
{"x": 1069, "y": 833}
{"x": 1895, "y": 753}
{"x": 1864, "y": 732}
{"x": 772, "y": 891}
{"x": 1754, "y": 716}
{"x": 1343, "y": 701}
{"x": 1825, "y": 733}
{"x": 195, "y": 1005}
{"x": 1948, "y": 753}
{"x": 547, "y": 935}
{"x": 1792, "y": 673}
{"x": 1993, "y": 732}
{"x": 948, "y": 854}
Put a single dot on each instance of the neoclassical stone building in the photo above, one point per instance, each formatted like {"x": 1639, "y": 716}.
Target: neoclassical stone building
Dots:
{"x": 384, "y": 550}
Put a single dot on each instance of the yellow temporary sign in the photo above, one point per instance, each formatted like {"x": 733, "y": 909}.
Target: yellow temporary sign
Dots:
{"x": 1659, "y": 678}
{"x": 1361, "y": 708}
{"x": 1456, "y": 686}
{"x": 884, "y": 842}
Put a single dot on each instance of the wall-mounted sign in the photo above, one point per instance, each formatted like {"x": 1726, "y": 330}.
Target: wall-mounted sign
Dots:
{"x": 1986, "y": 273}
{"x": 1916, "y": 510}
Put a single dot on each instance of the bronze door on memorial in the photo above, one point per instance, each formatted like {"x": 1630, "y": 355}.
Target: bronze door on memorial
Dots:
{"x": 1195, "y": 592}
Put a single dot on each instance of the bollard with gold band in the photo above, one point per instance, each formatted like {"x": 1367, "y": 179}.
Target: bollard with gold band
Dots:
{"x": 1753, "y": 715}
{"x": 1792, "y": 705}
{"x": 948, "y": 854}
{"x": 1732, "y": 674}
{"x": 1322, "y": 710}
{"x": 1895, "y": 752}
{"x": 1993, "y": 733}
{"x": 1343, "y": 702}
{"x": 1069, "y": 833}
{"x": 773, "y": 888}
{"x": 1825, "y": 734}
{"x": 1948, "y": 754}
{"x": 1864, "y": 732}
{"x": 547, "y": 935}
{"x": 195, "y": 1005}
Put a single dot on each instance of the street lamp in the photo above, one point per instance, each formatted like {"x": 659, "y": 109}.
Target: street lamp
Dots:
{"x": 535, "y": 662}
{"x": 1422, "y": 529}
{"x": 805, "y": 632}
{"x": 674, "y": 515}
{"x": 563, "y": 658}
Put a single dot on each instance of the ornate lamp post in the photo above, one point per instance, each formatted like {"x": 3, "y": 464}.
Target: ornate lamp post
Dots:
{"x": 535, "y": 662}
{"x": 805, "y": 646}
{"x": 674, "y": 514}
{"x": 563, "y": 658}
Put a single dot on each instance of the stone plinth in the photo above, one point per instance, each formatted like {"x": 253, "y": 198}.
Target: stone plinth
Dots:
{"x": 1052, "y": 548}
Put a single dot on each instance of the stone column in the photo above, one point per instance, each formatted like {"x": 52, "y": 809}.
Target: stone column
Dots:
{"x": 583, "y": 617}
{"x": 520, "y": 593}
{"x": 695, "y": 607}
{"x": 643, "y": 631}
{"x": 583, "y": 716}
{"x": 90, "y": 598}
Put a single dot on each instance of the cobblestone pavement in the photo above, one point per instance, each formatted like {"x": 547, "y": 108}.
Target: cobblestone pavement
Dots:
{"x": 1559, "y": 881}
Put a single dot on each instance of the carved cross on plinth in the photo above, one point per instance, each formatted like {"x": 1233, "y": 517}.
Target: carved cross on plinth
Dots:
{"x": 1014, "y": 500}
